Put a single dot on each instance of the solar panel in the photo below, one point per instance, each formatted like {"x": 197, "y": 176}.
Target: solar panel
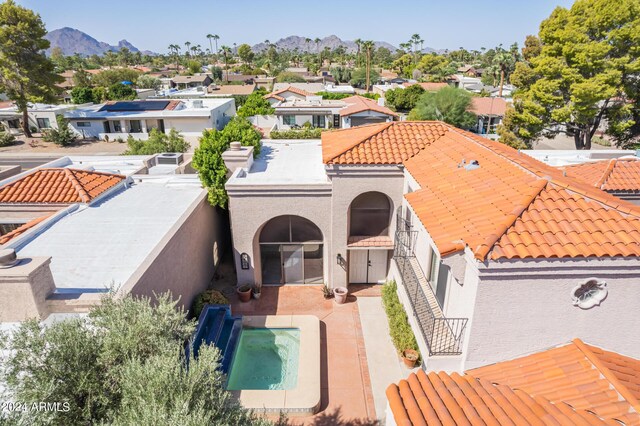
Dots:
{"x": 135, "y": 106}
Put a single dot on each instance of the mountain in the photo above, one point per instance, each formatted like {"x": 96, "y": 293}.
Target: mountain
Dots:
{"x": 72, "y": 41}
{"x": 332, "y": 42}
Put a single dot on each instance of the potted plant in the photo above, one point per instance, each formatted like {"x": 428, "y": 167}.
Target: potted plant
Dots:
{"x": 340, "y": 294}
{"x": 257, "y": 291}
{"x": 244, "y": 292}
{"x": 410, "y": 357}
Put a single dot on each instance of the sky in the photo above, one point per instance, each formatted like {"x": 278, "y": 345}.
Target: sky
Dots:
{"x": 443, "y": 24}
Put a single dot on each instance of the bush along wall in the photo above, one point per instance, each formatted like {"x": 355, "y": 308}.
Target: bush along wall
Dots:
{"x": 399, "y": 328}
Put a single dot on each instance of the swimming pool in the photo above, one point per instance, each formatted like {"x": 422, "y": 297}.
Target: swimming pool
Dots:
{"x": 267, "y": 359}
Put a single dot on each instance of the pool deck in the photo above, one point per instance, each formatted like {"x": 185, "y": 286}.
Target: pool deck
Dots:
{"x": 346, "y": 393}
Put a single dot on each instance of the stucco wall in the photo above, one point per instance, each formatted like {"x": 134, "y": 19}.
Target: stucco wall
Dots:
{"x": 528, "y": 308}
{"x": 250, "y": 213}
{"x": 185, "y": 260}
{"x": 347, "y": 185}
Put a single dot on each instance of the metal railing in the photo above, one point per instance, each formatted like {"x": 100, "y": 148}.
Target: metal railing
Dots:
{"x": 442, "y": 335}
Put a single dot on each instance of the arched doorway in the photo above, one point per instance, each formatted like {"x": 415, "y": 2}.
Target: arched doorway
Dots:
{"x": 291, "y": 251}
{"x": 369, "y": 241}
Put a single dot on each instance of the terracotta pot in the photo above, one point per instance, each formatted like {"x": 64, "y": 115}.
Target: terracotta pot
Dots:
{"x": 340, "y": 294}
{"x": 410, "y": 357}
{"x": 244, "y": 293}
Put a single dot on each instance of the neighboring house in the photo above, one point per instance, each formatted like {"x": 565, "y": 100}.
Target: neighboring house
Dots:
{"x": 470, "y": 71}
{"x": 41, "y": 117}
{"x": 572, "y": 384}
{"x": 230, "y": 90}
{"x": 119, "y": 119}
{"x": 490, "y": 112}
{"x": 187, "y": 81}
{"x": 340, "y": 88}
{"x": 311, "y": 88}
{"x": 264, "y": 82}
{"x": 619, "y": 176}
{"x": 79, "y": 233}
{"x": 295, "y": 107}
{"x": 301, "y": 71}
{"x": 489, "y": 246}
{"x": 429, "y": 87}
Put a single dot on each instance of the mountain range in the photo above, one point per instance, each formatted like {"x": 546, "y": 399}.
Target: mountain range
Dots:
{"x": 72, "y": 41}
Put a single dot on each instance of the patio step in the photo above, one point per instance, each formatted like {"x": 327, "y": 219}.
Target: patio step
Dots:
{"x": 228, "y": 341}
{"x": 217, "y": 327}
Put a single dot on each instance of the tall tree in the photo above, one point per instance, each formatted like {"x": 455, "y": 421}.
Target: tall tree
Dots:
{"x": 26, "y": 74}
{"x": 216, "y": 37}
{"x": 586, "y": 74}
{"x": 368, "y": 47}
{"x": 358, "y": 43}
{"x": 449, "y": 104}
{"x": 504, "y": 61}
{"x": 226, "y": 52}
{"x": 210, "y": 37}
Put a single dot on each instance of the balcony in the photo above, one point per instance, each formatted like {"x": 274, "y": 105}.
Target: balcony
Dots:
{"x": 442, "y": 335}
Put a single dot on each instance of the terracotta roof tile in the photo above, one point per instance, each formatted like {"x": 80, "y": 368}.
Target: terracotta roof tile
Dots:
{"x": 58, "y": 186}
{"x": 366, "y": 241}
{"x": 429, "y": 87}
{"x": 356, "y": 104}
{"x": 618, "y": 174}
{"x": 488, "y": 106}
{"x": 291, "y": 89}
{"x": 511, "y": 206}
{"x": 22, "y": 229}
{"x": 567, "y": 385}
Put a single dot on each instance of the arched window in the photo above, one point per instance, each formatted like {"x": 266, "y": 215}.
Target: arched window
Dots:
{"x": 589, "y": 294}
{"x": 291, "y": 251}
{"x": 370, "y": 215}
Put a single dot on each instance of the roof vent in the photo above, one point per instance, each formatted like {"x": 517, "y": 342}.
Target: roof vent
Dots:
{"x": 8, "y": 258}
{"x": 197, "y": 103}
{"x": 473, "y": 164}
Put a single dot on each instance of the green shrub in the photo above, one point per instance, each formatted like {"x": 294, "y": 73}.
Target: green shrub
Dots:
{"x": 63, "y": 135}
{"x": 333, "y": 96}
{"x": 306, "y": 133}
{"x": 6, "y": 138}
{"x": 399, "y": 328}
{"x": 600, "y": 141}
{"x": 211, "y": 297}
{"x": 158, "y": 142}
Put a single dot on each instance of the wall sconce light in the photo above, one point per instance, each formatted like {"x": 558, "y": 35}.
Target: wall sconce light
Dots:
{"x": 244, "y": 261}
{"x": 341, "y": 260}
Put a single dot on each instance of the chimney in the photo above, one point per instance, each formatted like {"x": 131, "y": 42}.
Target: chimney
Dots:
{"x": 237, "y": 157}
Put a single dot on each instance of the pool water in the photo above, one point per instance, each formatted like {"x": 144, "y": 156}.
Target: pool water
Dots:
{"x": 266, "y": 359}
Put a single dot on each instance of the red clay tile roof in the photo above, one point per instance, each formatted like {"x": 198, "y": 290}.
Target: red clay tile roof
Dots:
{"x": 512, "y": 206}
{"x": 291, "y": 89}
{"x": 618, "y": 174}
{"x": 271, "y": 95}
{"x": 356, "y": 104}
{"x": 365, "y": 241}
{"x": 58, "y": 186}
{"x": 567, "y": 385}
{"x": 488, "y": 106}
{"x": 22, "y": 229}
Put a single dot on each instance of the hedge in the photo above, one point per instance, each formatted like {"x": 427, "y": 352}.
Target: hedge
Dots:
{"x": 399, "y": 328}
{"x": 296, "y": 134}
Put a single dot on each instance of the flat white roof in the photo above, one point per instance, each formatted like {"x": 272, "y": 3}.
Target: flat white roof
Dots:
{"x": 187, "y": 108}
{"x": 560, "y": 158}
{"x": 285, "y": 162}
{"x": 97, "y": 246}
{"x": 126, "y": 165}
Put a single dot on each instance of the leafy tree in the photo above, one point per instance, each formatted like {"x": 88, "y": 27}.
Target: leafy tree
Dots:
{"x": 119, "y": 92}
{"x": 289, "y": 77}
{"x": 216, "y": 73}
{"x": 115, "y": 367}
{"x": 63, "y": 135}
{"x": 255, "y": 104}
{"x": 404, "y": 99}
{"x": 194, "y": 67}
{"x": 148, "y": 82}
{"x": 359, "y": 77}
{"x": 100, "y": 94}
{"x": 532, "y": 47}
{"x": 383, "y": 56}
{"x": 585, "y": 75}
{"x": 207, "y": 158}
{"x": 245, "y": 53}
{"x": 341, "y": 74}
{"x": 108, "y": 78}
{"x": 26, "y": 74}
{"x": 81, "y": 78}
{"x": 448, "y": 104}
{"x": 156, "y": 143}
{"x": 82, "y": 95}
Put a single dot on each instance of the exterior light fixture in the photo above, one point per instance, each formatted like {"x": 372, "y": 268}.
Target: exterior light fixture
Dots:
{"x": 340, "y": 260}
{"x": 244, "y": 261}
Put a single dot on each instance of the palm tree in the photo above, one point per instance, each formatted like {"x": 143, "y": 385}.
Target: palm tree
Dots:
{"x": 358, "y": 43}
{"x": 209, "y": 37}
{"x": 226, "y": 51}
{"x": 186, "y": 50}
{"x": 368, "y": 47}
{"x": 415, "y": 41}
{"x": 175, "y": 50}
{"x": 216, "y": 37}
{"x": 503, "y": 60}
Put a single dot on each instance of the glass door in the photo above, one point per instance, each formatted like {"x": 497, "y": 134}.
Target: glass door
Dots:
{"x": 292, "y": 263}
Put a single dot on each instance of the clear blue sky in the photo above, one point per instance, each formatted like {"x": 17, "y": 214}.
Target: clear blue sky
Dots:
{"x": 443, "y": 24}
